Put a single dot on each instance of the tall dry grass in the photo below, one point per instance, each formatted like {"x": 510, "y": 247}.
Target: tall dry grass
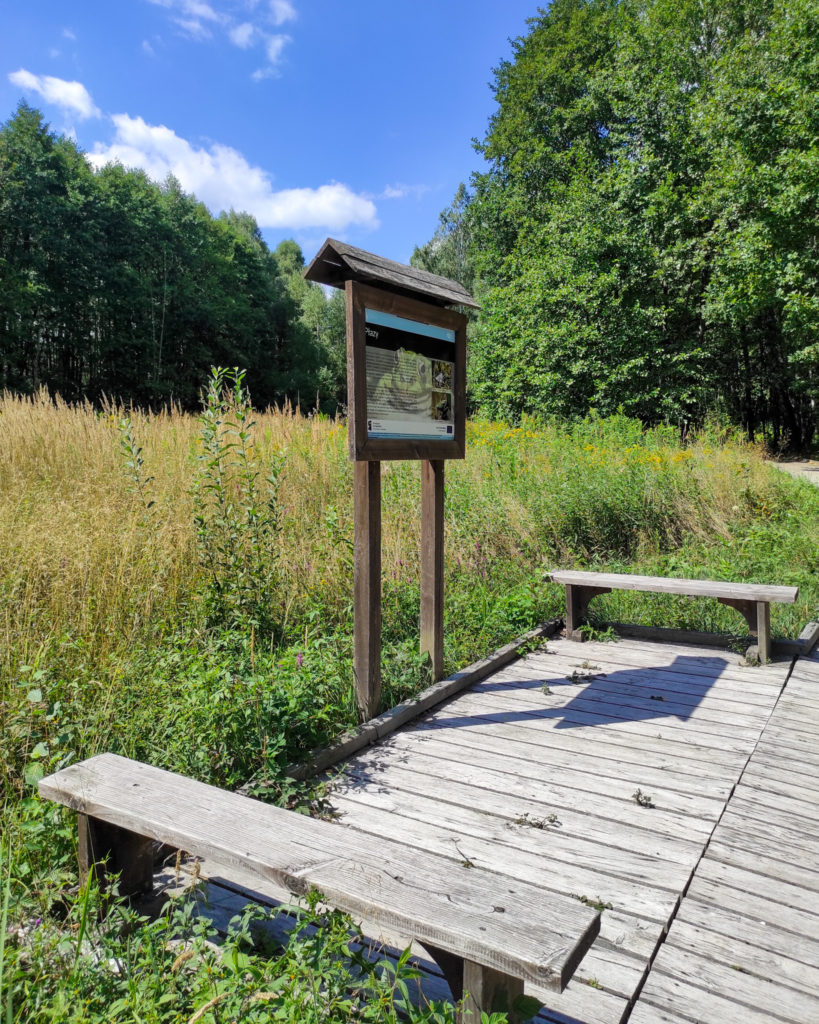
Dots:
{"x": 87, "y": 570}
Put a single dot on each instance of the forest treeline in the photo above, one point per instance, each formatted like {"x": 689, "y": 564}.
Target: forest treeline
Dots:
{"x": 646, "y": 233}
{"x": 114, "y": 285}
{"x": 644, "y": 237}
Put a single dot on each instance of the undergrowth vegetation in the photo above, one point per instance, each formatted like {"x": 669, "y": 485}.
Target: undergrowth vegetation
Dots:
{"x": 179, "y": 589}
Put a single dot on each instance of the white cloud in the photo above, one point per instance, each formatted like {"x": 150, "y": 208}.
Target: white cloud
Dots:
{"x": 199, "y": 20}
{"x": 68, "y": 33}
{"x": 282, "y": 11}
{"x": 274, "y": 47}
{"x": 401, "y": 191}
{"x": 242, "y": 35}
{"x": 222, "y": 178}
{"x": 193, "y": 28}
{"x": 71, "y": 96}
{"x": 147, "y": 48}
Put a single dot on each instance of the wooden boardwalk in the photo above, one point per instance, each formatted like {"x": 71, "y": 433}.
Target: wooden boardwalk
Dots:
{"x": 744, "y": 945}
{"x": 601, "y": 771}
{"x": 672, "y": 785}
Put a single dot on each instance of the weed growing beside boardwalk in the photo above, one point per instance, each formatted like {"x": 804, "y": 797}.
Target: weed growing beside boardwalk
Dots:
{"x": 179, "y": 590}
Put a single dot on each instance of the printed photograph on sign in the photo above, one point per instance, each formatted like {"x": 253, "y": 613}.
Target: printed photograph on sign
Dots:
{"x": 409, "y": 384}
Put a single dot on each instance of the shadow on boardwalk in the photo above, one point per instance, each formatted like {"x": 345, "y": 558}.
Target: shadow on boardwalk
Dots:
{"x": 633, "y": 695}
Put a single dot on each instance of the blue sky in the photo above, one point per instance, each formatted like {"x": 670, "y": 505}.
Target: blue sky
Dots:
{"x": 352, "y": 120}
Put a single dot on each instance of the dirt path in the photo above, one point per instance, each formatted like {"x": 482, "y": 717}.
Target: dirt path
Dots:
{"x": 805, "y": 469}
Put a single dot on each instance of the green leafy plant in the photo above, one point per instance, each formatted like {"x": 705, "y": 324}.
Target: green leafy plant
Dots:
{"x": 236, "y": 510}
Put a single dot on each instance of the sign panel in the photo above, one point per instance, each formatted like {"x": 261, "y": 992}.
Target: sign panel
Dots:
{"x": 410, "y": 370}
{"x": 406, "y": 366}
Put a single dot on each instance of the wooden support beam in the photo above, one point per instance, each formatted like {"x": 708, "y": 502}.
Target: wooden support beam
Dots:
{"x": 367, "y": 587}
{"x": 488, "y": 991}
{"x": 758, "y": 616}
{"x": 110, "y": 850}
{"x": 577, "y": 603}
{"x": 432, "y": 564}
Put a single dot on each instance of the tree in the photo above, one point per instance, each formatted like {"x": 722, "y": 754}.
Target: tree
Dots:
{"x": 644, "y": 236}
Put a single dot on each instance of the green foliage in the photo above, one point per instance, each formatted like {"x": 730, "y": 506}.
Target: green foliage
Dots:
{"x": 116, "y": 286}
{"x": 236, "y": 512}
{"x": 106, "y": 965}
{"x": 643, "y": 238}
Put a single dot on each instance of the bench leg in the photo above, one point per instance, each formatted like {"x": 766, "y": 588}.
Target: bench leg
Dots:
{"x": 577, "y": 603}
{"x": 758, "y": 616}
{"x": 115, "y": 851}
{"x": 488, "y": 991}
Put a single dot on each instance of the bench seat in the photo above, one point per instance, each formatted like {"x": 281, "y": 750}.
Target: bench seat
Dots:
{"x": 489, "y": 933}
{"x": 751, "y": 600}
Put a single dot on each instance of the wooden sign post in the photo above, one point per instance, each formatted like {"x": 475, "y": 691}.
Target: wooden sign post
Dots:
{"x": 406, "y": 397}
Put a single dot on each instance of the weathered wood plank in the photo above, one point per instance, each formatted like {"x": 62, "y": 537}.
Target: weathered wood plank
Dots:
{"x": 558, "y": 876}
{"x": 758, "y": 933}
{"x": 748, "y": 846}
{"x": 367, "y": 586}
{"x": 716, "y": 894}
{"x": 721, "y": 980}
{"x": 451, "y": 906}
{"x": 736, "y": 952}
{"x": 695, "y": 659}
{"x": 474, "y": 818}
{"x": 612, "y": 694}
{"x": 576, "y": 769}
{"x": 484, "y": 785}
{"x": 684, "y": 587}
{"x": 667, "y": 998}
{"x": 557, "y": 747}
{"x": 700, "y": 739}
{"x": 432, "y": 564}
{"x": 680, "y": 672}
{"x": 748, "y": 883}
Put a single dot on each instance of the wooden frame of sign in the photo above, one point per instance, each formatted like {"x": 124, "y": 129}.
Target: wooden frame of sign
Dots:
{"x": 403, "y": 333}
{"x": 398, "y": 311}
{"x": 439, "y": 339}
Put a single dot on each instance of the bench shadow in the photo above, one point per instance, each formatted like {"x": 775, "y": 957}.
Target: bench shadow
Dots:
{"x": 599, "y": 698}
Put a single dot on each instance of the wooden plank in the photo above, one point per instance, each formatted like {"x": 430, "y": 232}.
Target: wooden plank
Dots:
{"x": 432, "y": 564}
{"x": 362, "y": 813}
{"x": 683, "y": 659}
{"x": 536, "y": 937}
{"x": 612, "y": 693}
{"x": 758, "y": 933}
{"x": 790, "y": 832}
{"x": 640, "y": 682}
{"x": 396, "y": 792}
{"x": 788, "y": 811}
{"x": 684, "y": 665}
{"x": 690, "y": 758}
{"x": 684, "y": 587}
{"x": 336, "y": 261}
{"x": 771, "y": 857}
{"x": 774, "y": 777}
{"x": 589, "y": 715}
{"x": 367, "y": 587}
{"x": 724, "y": 982}
{"x": 749, "y": 882}
{"x": 540, "y": 793}
{"x": 672, "y": 997}
{"x": 716, "y": 894}
{"x": 578, "y": 769}
{"x": 736, "y": 952}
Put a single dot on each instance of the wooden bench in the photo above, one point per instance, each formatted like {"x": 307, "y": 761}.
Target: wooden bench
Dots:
{"x": 751, "y": 600}
{"x": 488, "y": 934}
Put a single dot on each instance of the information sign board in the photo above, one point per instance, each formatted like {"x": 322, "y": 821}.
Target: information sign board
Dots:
{"x": 407, "y": 378}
